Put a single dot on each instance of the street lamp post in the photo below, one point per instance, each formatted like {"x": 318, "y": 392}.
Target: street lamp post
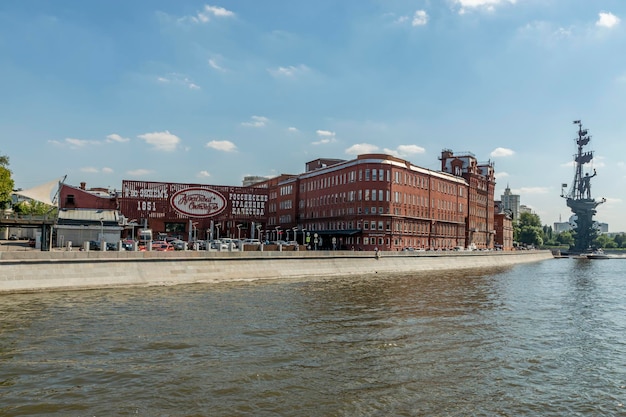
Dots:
{"x": 295, "y": 234}
{"x": 132, "y": 225}
{"x": 277, "y": 229}
{"x": 217, "y": 227}
{"x": 239, "y": 231}
{"x": 102, "y": 243}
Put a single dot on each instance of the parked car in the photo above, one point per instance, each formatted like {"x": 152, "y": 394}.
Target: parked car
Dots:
{"x": 13, "y": 236}
{"x": 218, "y": 244}
{"x": 94, "y": 245}
{"x": 179, "y": 244}
{"x": 228, "y": 241}
{"x": 127, "y": 244}
{"x": 31, "y": 242}
{"x": 162, "y": 246}
{"x": 251, "y": 242}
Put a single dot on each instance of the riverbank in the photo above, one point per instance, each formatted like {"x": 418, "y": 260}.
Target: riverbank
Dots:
{"x": 33, "y": 271}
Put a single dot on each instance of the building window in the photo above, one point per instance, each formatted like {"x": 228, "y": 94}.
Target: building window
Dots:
{"x": 367, "y": 175}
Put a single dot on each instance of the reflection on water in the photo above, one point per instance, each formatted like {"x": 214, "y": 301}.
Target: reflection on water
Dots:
{"x": 540, "y": 339}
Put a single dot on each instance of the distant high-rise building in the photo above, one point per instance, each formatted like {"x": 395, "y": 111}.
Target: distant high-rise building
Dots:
{"x": 510, "y": 202}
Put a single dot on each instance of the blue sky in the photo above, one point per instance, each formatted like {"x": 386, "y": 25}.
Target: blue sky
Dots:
{"x": 209, "y": 92}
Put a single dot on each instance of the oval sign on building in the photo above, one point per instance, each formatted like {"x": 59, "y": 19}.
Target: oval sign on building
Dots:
{"x": 198, "y": 202}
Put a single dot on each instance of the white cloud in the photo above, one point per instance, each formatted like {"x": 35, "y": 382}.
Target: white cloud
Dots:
{"x": 607, "y": 20}
{"x": 257, "y": 121}
{"x": 531, "y": 190}
{"x": 222, "y": 145}
{"x": 162, "y": 141}
{"x": 501, "y": 152}
{"x": 361, "y": 148}
{"x": 74, "y": 143}
{"x": 213, "y": 64}
{"x": 94, "y": 170}
{"x": 203, "y": 174}
{"x": 401, "y": 19}
{"x": 404, "y": 151}
{"x": 205, "y": 14}
{"x": 178, "y": 79}
{"x": 292, "y": 129}
{"x": 114, "y": 137}
{"x": 326, "y": 133}
{"x": 489, "y": 5}
{"x": 289, "y": 71}
{"x": 325, "y": 137}
{"x": 502, "y": 174}
{"x": 410, "y": 150}
{"x": 420, "y": 18}
{"x": 139, "y": 172}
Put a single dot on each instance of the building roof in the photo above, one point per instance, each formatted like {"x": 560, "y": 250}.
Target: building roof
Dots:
{"x": 74, "y": 216}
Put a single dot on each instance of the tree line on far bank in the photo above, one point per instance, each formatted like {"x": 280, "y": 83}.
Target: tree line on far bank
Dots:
{"x": 528, "y": 231}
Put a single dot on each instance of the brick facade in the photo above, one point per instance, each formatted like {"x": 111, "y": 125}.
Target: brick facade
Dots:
{"x": 373, "y": 201}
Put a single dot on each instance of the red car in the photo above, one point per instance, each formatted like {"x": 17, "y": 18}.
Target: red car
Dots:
{"x": 162, "y": 246}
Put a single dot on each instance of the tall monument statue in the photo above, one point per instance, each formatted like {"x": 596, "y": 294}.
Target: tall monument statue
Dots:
{"x": 579, "y": 198}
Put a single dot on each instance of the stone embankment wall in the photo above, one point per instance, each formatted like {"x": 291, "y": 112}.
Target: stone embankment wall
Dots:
{"x": 31, "y": 271}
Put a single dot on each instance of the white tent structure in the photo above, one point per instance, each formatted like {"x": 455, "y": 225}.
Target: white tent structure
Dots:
{"x": 46, "y": 193}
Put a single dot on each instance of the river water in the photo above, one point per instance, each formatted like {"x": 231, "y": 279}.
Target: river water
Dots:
{"x": 540, "y": 339}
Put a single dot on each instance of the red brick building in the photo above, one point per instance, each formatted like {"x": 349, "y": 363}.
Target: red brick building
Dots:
{"x": 195, "y": 211}
{"x": 81, "y": 197}
{"x": 380, "y": 201}
{"x": 373, "y": 201}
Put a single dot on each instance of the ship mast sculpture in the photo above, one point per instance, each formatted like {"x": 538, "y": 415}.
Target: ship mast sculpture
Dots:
{"x": 579, "y": 198}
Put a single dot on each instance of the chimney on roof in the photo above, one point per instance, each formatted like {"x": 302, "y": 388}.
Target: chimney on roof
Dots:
{"x": 83, "y": 185}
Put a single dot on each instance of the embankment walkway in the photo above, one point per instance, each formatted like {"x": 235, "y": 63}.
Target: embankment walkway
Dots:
{"x": 32, "y": 271}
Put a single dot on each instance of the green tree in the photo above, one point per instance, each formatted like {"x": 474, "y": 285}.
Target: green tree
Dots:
{"x": 6, "y": 182}
{"x": 528, "y": 230}
{"x": 35, "y": 208}
{"x": 620, "y": 240}
{"x": 565, "y": 238}
{"x": 603, "y": 241}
